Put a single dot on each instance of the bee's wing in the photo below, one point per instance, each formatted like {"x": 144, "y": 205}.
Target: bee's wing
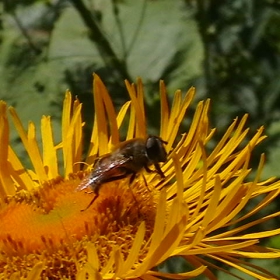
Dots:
{"x": 104, "y": 168}
{"x": 85, "y": 183}
{"x": 106, "y": 165}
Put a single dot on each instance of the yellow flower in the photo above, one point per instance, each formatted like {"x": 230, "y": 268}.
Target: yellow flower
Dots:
{"x": 196, "y": 212}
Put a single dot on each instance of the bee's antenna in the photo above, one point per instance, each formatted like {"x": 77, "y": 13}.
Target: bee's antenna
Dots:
{"x": 80, "y": 162}
{"x": 89, "y": 166}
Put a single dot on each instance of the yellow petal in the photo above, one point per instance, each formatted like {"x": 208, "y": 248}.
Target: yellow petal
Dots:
{"x": 6, "y": 184}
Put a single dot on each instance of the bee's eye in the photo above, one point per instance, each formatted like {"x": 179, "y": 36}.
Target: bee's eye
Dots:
{"x": 155, "y": 150}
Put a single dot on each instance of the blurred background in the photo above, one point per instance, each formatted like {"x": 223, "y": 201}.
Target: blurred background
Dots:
{"x": 229, "y": 50}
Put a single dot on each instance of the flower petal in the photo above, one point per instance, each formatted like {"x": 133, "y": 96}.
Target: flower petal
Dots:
{"x": 49, "y": 150}
{"x": 5, "y": 180}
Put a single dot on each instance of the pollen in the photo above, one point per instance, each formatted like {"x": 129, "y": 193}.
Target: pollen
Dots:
{"x": 54, "y": 229}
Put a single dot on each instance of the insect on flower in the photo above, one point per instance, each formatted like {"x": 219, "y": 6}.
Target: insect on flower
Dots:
{"x": 127, "y": 159}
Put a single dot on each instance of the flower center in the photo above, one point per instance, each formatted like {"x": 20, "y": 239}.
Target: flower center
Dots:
{"x": 51, "y": 217}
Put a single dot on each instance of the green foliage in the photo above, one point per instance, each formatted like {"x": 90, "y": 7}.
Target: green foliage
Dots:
{"x": 48, "y": 47}
{"x": 229, "y": 50}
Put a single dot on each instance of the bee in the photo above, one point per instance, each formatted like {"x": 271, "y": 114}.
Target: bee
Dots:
{"x": 129, "y": 158}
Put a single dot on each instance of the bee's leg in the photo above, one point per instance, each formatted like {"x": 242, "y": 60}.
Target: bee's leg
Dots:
{"x": 132, "y": 178}
{"x": 127, "y": 172}
{"x": 96, "y": 192}
{"x": 159, "y": 171}
{"x": 97, "y": 187}
{"x": 146, "y": 184}
{"x": 148, "y": 169}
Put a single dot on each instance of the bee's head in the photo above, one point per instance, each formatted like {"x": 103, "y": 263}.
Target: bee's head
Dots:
{"x": 155, "y": 149}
